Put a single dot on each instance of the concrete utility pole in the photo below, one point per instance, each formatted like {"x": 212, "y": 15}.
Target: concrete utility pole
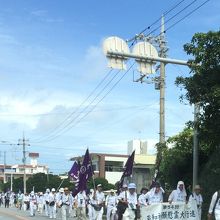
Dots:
{"x": 114, "y": 52}
{"x": 4, "y": 166}
{"x": 195, "y": 145}
{"x": 162, "y": 83}
{"x": 24, "y": 143}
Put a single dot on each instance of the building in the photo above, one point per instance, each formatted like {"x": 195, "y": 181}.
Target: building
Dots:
{"x": 110, "y": 166}
{"x": 9, "y": 172}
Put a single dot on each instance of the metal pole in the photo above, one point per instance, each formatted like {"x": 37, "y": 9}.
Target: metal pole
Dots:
{"x": 148, "y": 59}
{"x": 11, "y": 182}
{"x": 162, "y": 85}
{"x": 195, "y": 145}
{"x": 4, "y": 166}
{"x": 24, "y": 163}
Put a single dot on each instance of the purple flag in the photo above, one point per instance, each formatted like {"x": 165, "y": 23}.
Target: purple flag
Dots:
{"x": 128, "y": 168}
{"x": 74, "y": 171}
{"x": 85, "y": 173}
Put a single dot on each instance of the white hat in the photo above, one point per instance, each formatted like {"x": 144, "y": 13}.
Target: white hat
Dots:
{"x": 53, "y": 190}
{"x": 197, "y": 187}
{"x": 61, "y": 190}
{"x": 131, "y": 186}
{"x": 47, "y": 190}
{"x": 99, "y": 185}
{"x": 125, "y": 186}
{"x": 32, "y": 193}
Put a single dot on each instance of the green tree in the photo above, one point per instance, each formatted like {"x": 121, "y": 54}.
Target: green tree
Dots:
{"x": 99, "y": 180}
{"x": 40, "y": 182}
{"x": 203, "y": 85}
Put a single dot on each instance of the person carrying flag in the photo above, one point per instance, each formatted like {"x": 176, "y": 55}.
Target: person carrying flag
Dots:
{"x": 131, "y": 201}
{"x": 98, "y": 202}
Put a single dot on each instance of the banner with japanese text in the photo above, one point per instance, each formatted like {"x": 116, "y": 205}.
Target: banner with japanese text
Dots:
{"x": 166, "y": 211}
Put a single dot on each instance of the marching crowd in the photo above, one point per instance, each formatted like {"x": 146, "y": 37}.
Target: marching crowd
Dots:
{"x": 92, "y": 205}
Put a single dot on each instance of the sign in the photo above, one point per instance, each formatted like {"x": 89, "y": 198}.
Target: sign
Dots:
{"x": 166, "y": 211}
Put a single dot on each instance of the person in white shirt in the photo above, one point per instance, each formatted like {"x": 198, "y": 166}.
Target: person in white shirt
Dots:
{"x": 80, "y": 204}
{"x": 52, "y": 204}
{"x": 111, "y": 202}
{"x": 131, "y": 201}
{"x": 90, "y": 208}
{"x": 155, "y": 195}
{"x": 122, "y": 201}
{"x": 40, "y": 203}
{"x": 58, "y": 202}
{"x": 25, "y": 202}
{"x": 178, "y": 195}
{"x": 97, "y": 202}
{"x": 46, "y": 202}
{"x": 66, "y": 204}
{"x": 33, "y": 203}
{"x": 196, "y": 195}
{"x": 142, "y": 199}
{"x": 215, "y": 206}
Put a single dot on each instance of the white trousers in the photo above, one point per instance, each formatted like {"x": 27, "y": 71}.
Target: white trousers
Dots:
{"x": 46, "y": 209}
{"x": 111, "y": 212}
{"x": 65, "y": 212}
{"x": 97, "y": 215}
{"x": 33, "y": 209}
{"x": 40, "y": 208}
{"x": 25, "y": 207}
{"x": 52, "y": 211}
{"x": 81, "y": 213}
{"x": 129, "y": 214}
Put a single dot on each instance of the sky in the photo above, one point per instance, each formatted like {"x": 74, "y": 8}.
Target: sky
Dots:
{"x": 51, "y": 59}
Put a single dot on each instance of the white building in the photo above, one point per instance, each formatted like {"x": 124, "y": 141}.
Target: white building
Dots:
{"x": 110, "y": 166}
{"x": 7, "y": 172}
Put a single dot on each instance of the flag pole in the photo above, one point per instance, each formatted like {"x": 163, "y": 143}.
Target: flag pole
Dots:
{"x": 60, "y": 185}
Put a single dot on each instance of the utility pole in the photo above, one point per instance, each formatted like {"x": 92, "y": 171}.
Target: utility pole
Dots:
{"x": 11, "y": 182}
{"x": 195, "y": 145}
{"x": 24, "y": 143}
{"x": 162, "y": 83}
{"x": 4, "y": 166}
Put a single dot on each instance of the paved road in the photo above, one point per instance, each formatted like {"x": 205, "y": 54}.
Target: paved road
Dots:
{"x": 15, "y": 214}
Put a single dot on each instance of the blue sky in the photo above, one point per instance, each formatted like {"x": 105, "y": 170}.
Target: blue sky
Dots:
{"x": 51, "y": 59}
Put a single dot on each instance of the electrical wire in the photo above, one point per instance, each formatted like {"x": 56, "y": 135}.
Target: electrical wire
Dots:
{"x": 165, "y": 13}
{"x": 171, "y": 18}
{"x": 85, "y": 108}
{"x": 67, "y": 128}
{"x": 187, "y": 15}
{"x": 75, "y": 111}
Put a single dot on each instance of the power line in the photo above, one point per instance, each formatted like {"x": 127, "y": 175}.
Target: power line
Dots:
{"x": 65, "y": 113}
{"x": 165, "y": 13}
{"x": 65, "y": 129}
{"x": 187, "y": 15}
{"x": 171, "y": 18}
{"x": 78, "y": 115}
{"x": 84, "y": 101}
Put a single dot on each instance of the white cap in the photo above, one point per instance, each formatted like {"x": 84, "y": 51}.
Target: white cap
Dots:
{"x": 32, "y": 193}
{"x": 47, "y": 190}
{"x": 61, "y": 190}
{"x": 131, "y": 186}
{"x": 99, "y": 185}
{"x": 53, "y": 190}
{"x": 125, "y": 186}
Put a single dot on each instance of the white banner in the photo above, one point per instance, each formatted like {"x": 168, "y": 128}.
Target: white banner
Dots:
{"x": 166, "y": 211}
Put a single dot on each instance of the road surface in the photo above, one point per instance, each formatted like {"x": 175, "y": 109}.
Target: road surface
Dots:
{"x": 15, "y": 214}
